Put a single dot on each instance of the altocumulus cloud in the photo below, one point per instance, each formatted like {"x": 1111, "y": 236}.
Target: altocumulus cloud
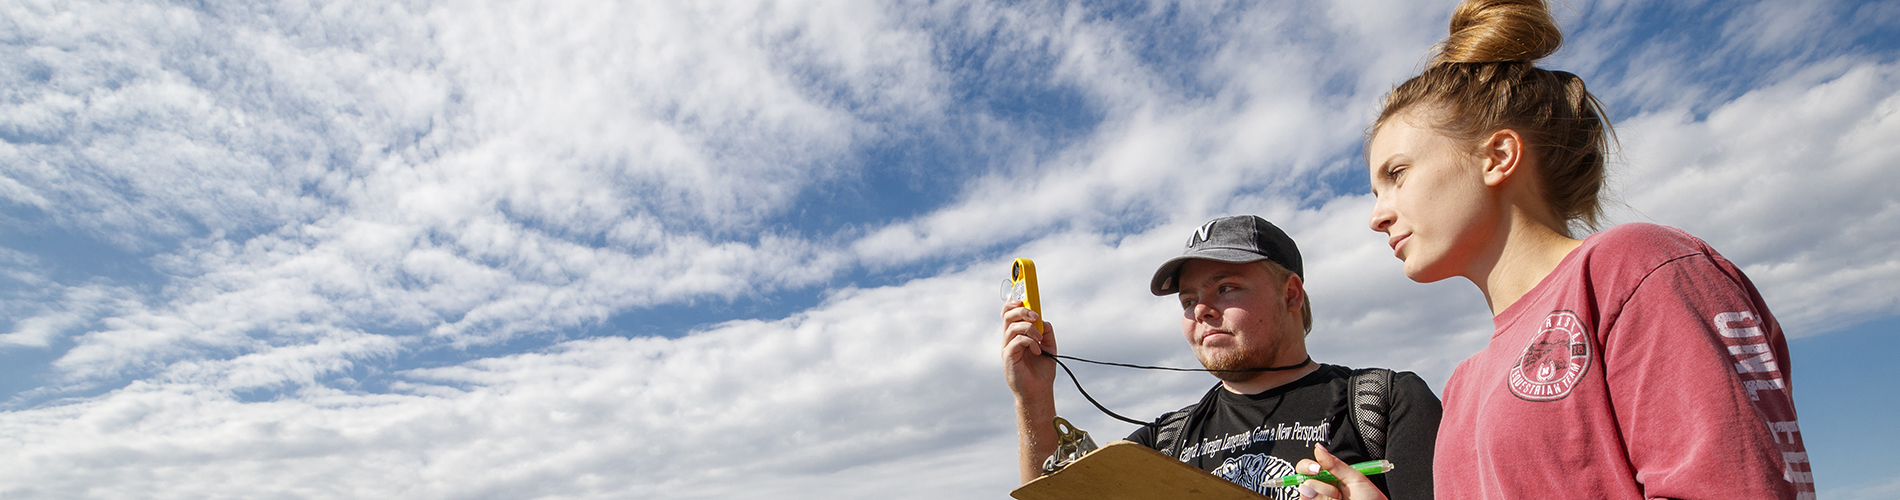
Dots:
{"x": 406, "y": 249}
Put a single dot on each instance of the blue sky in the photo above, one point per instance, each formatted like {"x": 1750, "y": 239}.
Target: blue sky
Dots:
{"x": 720, "y": 249}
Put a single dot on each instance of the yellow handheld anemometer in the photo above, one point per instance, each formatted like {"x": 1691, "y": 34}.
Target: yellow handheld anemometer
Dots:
{"x": 1021, "y": 285}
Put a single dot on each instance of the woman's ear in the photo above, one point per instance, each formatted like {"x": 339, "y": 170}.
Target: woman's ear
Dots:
{"x": 1503, "y": 152}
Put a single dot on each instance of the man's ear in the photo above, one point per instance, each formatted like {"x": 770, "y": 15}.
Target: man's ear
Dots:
{"x": 1503, "y": 152}
{"x": 1295, "y": 292}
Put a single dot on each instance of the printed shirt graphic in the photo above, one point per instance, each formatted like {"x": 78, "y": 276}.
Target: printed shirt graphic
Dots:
{"x": 1556, "y": 359}
{"x": 1644, "y": 366}
{"x": 1254, "y": 440}
{"x": 1259, "y": 470}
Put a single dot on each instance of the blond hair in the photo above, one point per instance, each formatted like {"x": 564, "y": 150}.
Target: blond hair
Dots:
{"x": 1279, "y": 274}
{"x": 1482, "y": 79}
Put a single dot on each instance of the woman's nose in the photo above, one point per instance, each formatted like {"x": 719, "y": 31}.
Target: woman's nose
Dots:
{"x": 1382, "y": 216}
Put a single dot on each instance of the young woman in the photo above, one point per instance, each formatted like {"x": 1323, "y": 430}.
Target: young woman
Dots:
{"x": 1634, "y": 363}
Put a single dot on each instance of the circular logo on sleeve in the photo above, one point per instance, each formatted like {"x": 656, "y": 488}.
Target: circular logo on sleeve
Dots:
{"x": 1554, "y": 361}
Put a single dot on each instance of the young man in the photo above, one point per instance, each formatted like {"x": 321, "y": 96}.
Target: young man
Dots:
{"x": 1245, "y": 315}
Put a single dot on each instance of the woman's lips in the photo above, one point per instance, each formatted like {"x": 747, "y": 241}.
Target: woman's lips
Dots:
{"x": 1397, "y": 243}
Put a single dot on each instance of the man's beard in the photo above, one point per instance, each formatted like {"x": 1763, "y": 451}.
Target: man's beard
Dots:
{"x": 1239, "y": 359}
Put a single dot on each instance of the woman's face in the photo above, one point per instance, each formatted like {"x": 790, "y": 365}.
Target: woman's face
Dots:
{"x": 1432, "y": 201}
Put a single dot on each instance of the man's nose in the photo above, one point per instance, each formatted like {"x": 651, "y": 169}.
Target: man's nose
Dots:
{"x": 1205, "y": 313}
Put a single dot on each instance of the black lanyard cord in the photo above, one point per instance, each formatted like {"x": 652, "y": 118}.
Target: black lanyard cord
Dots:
{"x": 1098, "y": 405}
{"x": 1307, "y": 361}
{"x": 1085, "y": 394}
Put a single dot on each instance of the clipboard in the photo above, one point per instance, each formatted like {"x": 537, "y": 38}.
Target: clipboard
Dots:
{"x": 1127, "y": 470}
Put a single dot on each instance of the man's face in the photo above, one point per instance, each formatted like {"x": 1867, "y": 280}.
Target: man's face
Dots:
{"x": 1235, "y": 315}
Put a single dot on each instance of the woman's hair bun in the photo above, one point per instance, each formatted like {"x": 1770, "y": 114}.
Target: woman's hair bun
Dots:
{"x": 1486, "y": 31}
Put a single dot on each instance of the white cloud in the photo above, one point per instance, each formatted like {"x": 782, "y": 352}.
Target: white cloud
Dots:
{"x": 1164, "y": 154}
{"x": 1789, "y": 182}
{"x": 453, "y": 170}
{"x": 137, "y": 137}
{"x": 710, "y": 114}
{"x": 73, "y": 309}
{"x": 1779, "y": 25}
{"x": 330, "y": 189}
{"x": 747, "y": 406}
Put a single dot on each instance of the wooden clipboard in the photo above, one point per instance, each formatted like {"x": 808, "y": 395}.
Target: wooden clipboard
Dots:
{"x": 1126, "y": 470}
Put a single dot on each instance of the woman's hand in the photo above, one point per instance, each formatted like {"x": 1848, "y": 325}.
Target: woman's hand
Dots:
{"x": 1351, "y": 485}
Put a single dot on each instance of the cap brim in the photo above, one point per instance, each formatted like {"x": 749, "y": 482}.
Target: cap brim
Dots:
{"x": 1164, "y": 282}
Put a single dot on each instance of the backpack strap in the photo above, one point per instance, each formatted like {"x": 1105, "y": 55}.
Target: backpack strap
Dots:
{"x": 1169, "y": 434}
{"x": 1168, "y": 438}
{"x": 1171, "y": 427}
{"x": 1371, "y": 399}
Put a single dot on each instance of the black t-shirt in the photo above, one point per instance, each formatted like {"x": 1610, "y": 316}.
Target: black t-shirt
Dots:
{"x": 1253, "y": 439}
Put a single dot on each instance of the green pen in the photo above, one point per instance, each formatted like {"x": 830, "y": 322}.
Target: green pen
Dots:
{"x": 1367, "y": 468}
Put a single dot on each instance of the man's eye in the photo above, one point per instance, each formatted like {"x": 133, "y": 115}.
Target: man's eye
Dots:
{"x": 1187, "y": 303}
{"x": 1227, "y": 288}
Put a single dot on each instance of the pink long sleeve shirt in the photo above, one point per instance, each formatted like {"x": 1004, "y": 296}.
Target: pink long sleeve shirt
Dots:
{"x": 1644, "y": 366}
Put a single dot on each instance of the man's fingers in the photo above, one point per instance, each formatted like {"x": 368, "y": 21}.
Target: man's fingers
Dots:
{"x": 1014, "y": 311}
{"x": 1024, "y": 343}
{"x": 1022, "y": 321}
{"x": 1022, "y": 329}
{"x": 1020, "y": 315}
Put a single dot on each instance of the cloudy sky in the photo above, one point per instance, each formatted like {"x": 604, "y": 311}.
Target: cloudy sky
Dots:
{"x": 751, "y": 249}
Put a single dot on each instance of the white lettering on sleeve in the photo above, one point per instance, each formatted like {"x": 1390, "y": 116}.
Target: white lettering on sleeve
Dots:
{"x": 1755, "y": 387}
{"x": 1761, "y": 361}
{"x": 1788, "y": 472}
{"x": 1722, "y": 324}
{"x": 1790, "y": 428}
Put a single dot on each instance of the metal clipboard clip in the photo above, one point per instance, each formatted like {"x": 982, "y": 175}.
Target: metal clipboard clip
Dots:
{"x": 1071, "y": 444}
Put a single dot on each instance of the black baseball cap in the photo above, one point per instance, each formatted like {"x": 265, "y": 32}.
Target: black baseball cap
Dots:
{"x": 1236, "y": 239}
